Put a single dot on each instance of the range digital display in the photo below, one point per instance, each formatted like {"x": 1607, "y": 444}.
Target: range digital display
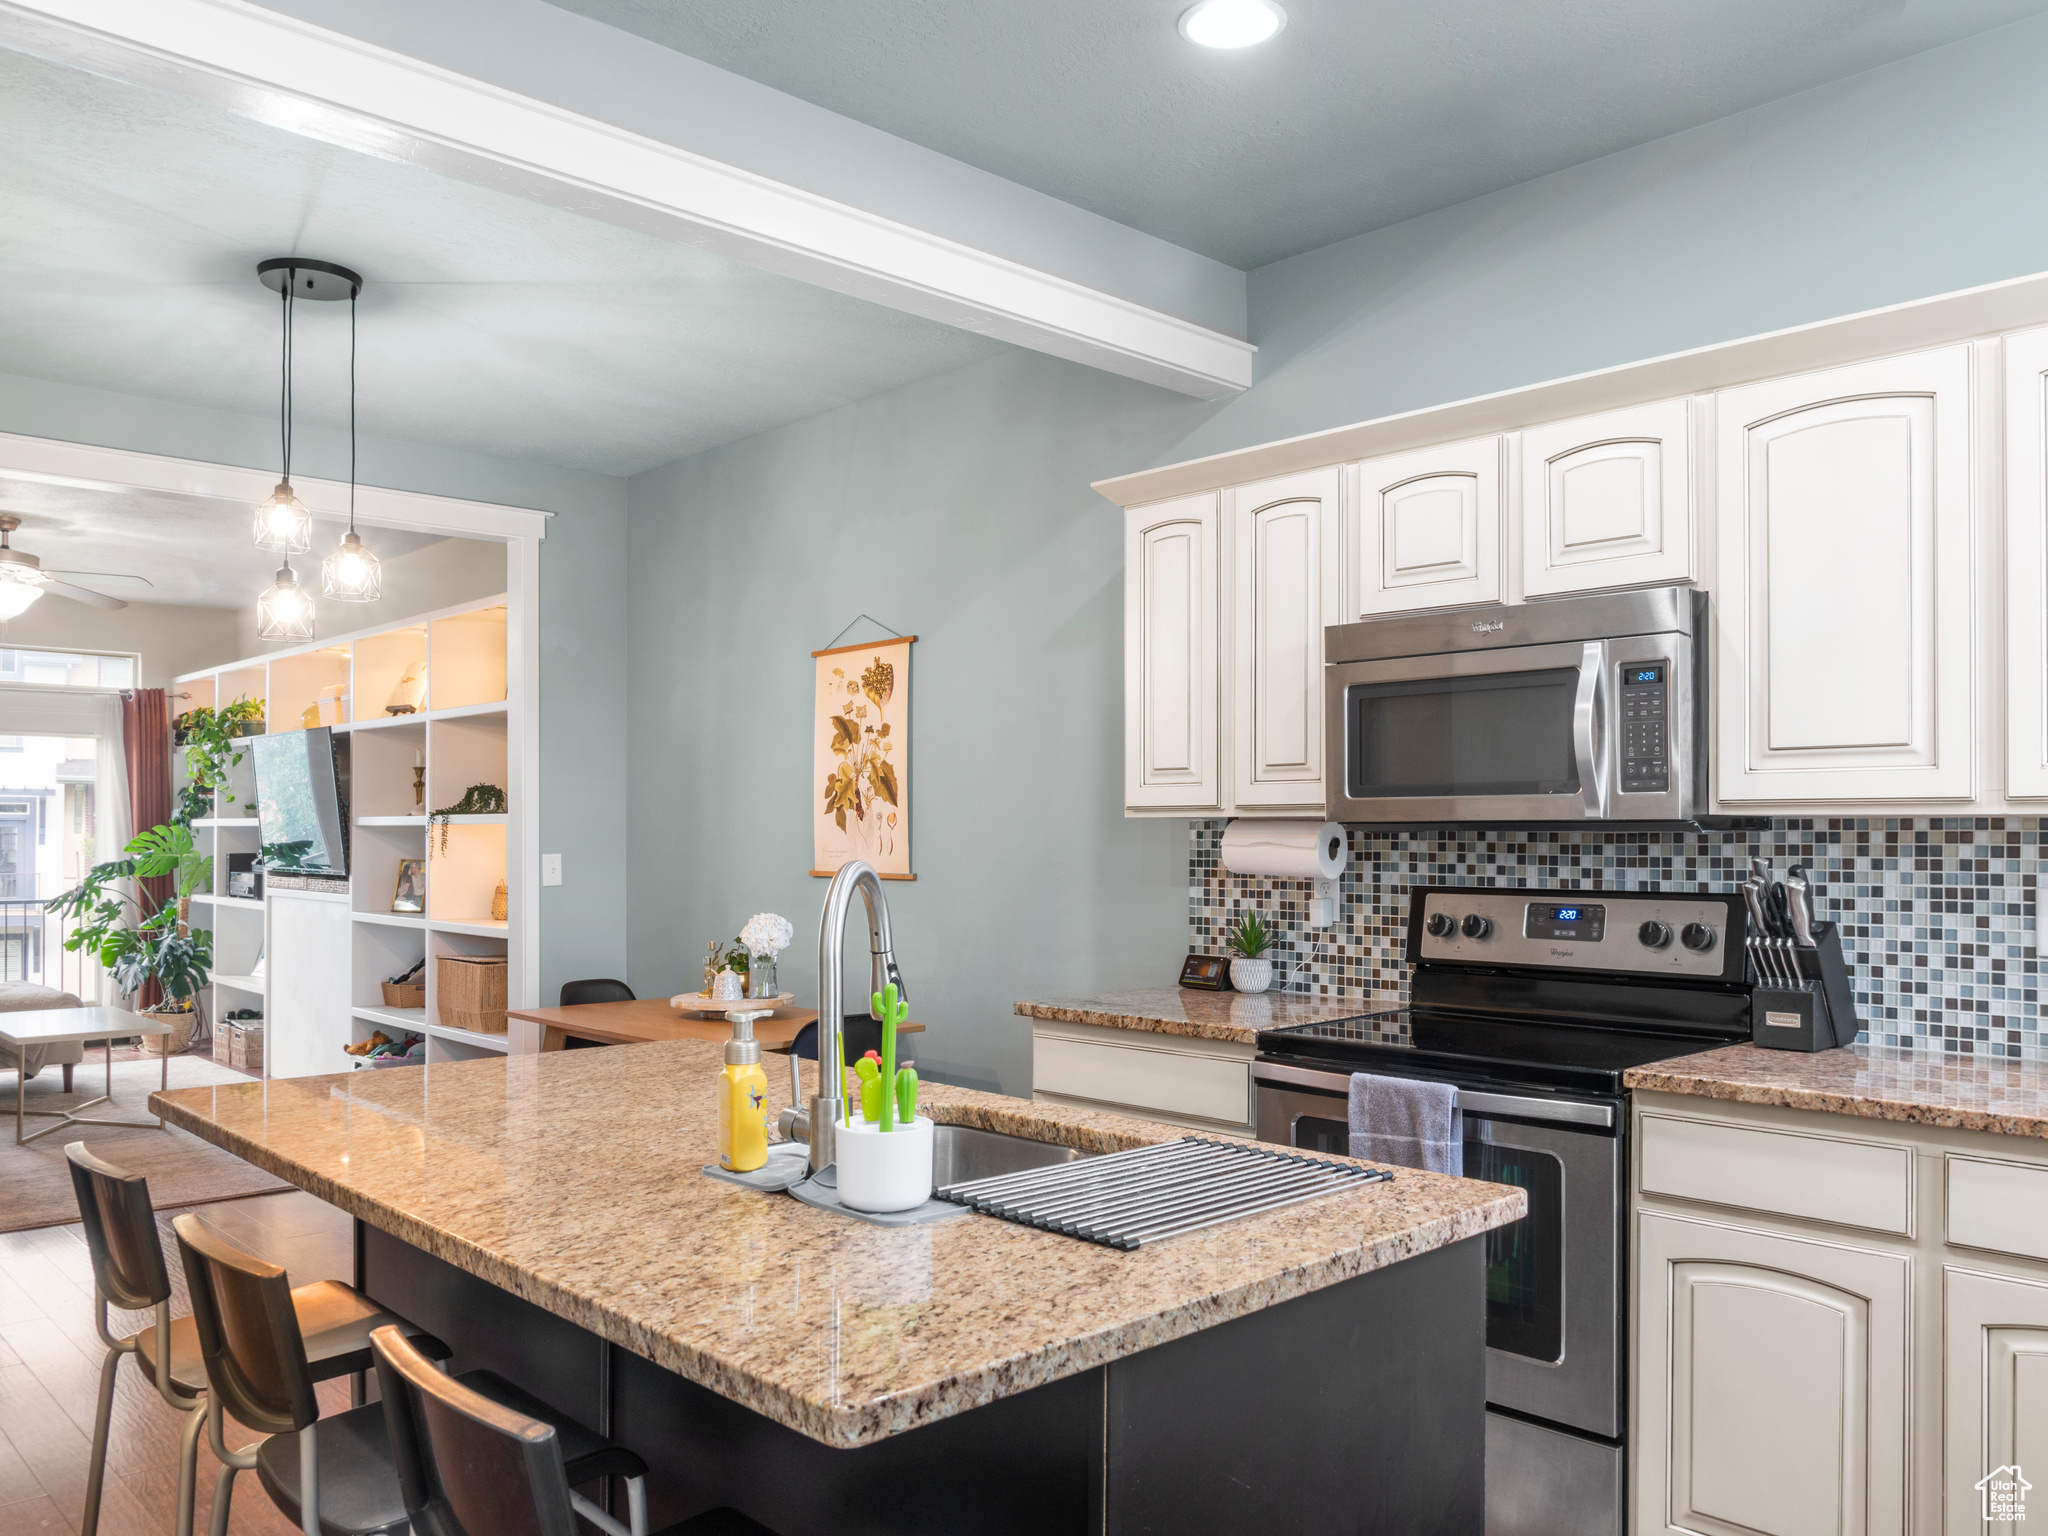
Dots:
{"x": 1587, "y": 924}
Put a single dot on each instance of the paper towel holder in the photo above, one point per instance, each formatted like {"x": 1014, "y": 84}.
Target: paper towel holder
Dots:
{"x": 1290, "y": 850}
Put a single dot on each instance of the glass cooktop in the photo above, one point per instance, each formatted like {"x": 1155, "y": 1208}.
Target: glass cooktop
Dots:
{"x": 1415, "y": 1042}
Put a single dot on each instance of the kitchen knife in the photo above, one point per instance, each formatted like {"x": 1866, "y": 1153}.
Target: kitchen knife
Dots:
{"x": 1759, "y": 944}
{"x": 1799, "y": 906}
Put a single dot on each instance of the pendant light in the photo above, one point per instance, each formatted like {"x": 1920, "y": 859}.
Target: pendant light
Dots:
{"x": 285, "y": 609}
{"x": 352, "y": 574}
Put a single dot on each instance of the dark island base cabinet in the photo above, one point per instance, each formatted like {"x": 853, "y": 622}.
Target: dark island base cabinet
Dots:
{"x": 1358, "y": 1408}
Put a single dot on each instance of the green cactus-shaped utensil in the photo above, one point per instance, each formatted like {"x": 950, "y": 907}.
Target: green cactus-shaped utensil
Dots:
{"x": 906, "y": 1094}
{"x": 890, "y": 1009}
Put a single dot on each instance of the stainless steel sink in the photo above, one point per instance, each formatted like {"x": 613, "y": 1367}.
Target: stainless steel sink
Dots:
{"x": 960, "y": 1152}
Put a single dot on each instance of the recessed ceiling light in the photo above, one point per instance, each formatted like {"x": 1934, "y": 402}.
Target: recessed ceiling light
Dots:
{"x": 1231, "y": 23}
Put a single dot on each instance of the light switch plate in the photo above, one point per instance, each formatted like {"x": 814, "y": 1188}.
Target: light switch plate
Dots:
{"x": 551, "y": 869}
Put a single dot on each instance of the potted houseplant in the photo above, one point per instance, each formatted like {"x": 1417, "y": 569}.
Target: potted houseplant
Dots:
{"x": 1249, "y": 939}
{"x": 138, "y": 940}
{"x": 208, "y": 737}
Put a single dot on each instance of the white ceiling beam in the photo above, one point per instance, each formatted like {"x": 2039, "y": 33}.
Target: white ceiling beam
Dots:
{"x": 310, "y": 80}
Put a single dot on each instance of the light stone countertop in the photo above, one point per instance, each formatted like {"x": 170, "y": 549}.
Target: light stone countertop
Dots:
{"x": 573, "y": 1179}
{"x": 1875, "y": 1082}
{"x": 1198, "y": 1015}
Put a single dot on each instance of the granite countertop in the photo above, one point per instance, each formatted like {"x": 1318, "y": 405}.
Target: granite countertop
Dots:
{"x": 2007, "y": 1098}
{"x": 573, "y": 1179}
{"x": 1234, "y": 1016}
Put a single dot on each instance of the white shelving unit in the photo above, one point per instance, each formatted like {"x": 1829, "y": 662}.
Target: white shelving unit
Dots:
{"x": 470, "y": 731}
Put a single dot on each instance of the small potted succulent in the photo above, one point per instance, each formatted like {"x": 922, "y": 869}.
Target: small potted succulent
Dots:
{"x": 1249, "y": 939}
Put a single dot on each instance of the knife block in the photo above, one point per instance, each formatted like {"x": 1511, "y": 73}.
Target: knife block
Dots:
{"x": 1817, "y": 1015}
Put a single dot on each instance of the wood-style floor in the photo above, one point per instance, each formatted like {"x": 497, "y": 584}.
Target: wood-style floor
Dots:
{"x": 50, "y": 1364}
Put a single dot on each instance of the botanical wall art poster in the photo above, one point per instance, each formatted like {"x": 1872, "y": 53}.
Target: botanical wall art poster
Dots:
{"x": 860, "y": 781}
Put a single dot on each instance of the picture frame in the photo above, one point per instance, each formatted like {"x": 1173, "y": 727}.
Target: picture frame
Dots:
{"x": 860, "y": 758}
{"x": 409, "y": 894}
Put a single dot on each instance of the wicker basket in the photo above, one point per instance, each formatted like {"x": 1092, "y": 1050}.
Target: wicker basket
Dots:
{"x": 471, "y": 992}
{"x": 405, "y": 994}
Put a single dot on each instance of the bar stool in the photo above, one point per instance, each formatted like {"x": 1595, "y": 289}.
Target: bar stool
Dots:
{"x": 468, "y": 1462}
{"x": 128, "y": 1272}
{"x": 595, "y": 990}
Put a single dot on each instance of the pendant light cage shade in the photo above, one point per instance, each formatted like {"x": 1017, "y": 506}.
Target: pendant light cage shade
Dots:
{"x": 352, "y": 574}
{"x": 285, "y": 610}
{"x": 282, "y": 522}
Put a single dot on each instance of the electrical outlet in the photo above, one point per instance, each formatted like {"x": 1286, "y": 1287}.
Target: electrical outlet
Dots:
{"x": 551, "y": 869}
{"x": 1322, "y": 904}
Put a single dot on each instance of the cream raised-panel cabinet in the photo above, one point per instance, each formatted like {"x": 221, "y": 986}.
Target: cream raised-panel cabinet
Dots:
{"x": 1427, "y": 528}
{"x": 1172, "y": 672}
{"x": 1772, "y": 1396}
{"x": 2026, "y": 565}
{"x": 1844, "y": 585}
{"x": 1607, "y": 500}
{"x": 1995, "y": 1413}
{"x": 1286, "y": 581}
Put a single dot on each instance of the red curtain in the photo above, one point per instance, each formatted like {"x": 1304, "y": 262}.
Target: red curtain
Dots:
{"x": 146, "y": 744}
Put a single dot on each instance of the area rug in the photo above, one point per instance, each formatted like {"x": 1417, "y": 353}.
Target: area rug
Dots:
{"x": 35, "y": 1180}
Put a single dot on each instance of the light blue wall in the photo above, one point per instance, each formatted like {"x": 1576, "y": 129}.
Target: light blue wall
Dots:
{"x": 583, "y": 625}
{"x": 959, "y": 508}
{"x": 1916, "y": 179}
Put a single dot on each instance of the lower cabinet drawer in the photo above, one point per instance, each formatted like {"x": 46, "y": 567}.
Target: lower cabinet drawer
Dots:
{"x": 1823, "y": 1178}
{"x": 1201, "y": 1086}
{"x": 1999, "y": 1206}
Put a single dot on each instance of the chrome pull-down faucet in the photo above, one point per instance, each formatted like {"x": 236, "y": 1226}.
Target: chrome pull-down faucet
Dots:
{"x": 819, "y": 1123}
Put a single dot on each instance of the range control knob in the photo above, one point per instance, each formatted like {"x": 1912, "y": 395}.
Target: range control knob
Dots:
{"x": 1441, "y": 925}
{"x": 1654, "y": 935}
{"x": 1697, "y": 937}
{"x": 1475, "y": 926}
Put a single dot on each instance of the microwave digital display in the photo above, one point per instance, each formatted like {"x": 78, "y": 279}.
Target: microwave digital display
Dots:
{"x": 1584, "y": 923}
{"x": 1639, "y": 675}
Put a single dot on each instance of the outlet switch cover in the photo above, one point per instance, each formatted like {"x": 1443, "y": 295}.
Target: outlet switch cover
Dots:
{"x": 551, "y": 869}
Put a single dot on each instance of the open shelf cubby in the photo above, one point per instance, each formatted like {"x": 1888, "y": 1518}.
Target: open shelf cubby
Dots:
{"x": 463, "y": 732}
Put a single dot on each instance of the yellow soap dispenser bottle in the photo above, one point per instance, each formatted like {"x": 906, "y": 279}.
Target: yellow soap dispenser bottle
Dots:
{"x": 742, "y": 1099}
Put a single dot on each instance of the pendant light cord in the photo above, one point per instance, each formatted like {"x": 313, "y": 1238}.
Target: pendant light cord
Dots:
{"x": 284, "y": 379}
{"x": 352, "y": 408}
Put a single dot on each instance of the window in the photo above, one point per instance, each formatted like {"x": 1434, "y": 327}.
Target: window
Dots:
{"x": 64, "y": 669}
{"x": 10, "y": 743}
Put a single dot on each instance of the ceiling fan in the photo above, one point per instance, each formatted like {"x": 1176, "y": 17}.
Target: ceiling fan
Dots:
{"x": 23, "y": 579}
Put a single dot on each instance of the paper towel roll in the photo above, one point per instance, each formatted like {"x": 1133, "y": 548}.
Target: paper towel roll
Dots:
{"x": 1289, "y": 850}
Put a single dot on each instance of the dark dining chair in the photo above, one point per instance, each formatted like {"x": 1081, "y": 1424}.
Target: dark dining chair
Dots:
{"x": 470, "y": 1462}
{"x": 129, "y": 1272}
{"x": 604, "y": 990}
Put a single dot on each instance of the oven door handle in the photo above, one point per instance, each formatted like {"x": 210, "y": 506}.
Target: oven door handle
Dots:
{"x": 1586, "y": 733}
{"x": 1472, "y": 1101}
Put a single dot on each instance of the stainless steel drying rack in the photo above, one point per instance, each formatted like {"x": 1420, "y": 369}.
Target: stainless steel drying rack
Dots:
{"x": 1128, "y": 1199}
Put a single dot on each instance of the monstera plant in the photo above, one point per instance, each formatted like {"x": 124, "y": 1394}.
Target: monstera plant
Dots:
{"x": 137, "y": 939}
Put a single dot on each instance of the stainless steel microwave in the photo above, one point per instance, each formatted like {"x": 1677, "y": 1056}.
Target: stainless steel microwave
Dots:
{"x": 1578, "y": 709}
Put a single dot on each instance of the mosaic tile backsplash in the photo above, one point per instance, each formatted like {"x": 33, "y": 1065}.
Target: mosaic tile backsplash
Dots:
{"x": 1937, "y": 913}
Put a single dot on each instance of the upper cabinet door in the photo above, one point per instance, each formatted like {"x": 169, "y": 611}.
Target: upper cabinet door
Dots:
{"x": 1285, "y": 574}
{"x": 1606, "y": 501}
{"x": 1844, "y": 584}
{"x": 1171, "y": 655}
{"x": 2026, "y": 564}
{"x": 1428, "y": 528}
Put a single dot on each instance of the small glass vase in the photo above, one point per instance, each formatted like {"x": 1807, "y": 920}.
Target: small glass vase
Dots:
{"x": 761, "y": 977}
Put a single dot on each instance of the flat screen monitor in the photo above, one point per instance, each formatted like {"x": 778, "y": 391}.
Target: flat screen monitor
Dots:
{"x": 302, "y": 800}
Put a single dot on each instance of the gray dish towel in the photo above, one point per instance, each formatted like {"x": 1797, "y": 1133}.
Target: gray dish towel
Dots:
{"x": 1407, "y": 1122}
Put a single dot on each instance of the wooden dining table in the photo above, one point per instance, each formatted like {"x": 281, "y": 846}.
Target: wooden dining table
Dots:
{"x": 651, "y": 1018}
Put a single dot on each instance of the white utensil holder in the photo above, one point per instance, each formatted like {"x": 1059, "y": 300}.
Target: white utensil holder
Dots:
{"x": 885, "y": 1171}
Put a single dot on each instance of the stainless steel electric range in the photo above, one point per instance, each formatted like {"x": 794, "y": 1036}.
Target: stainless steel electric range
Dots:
{"x": 1533, "y": 1003}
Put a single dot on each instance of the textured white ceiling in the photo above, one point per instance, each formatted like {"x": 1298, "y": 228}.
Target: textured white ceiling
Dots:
{"x": 162, "y": 547}
{"x": 131, "y": 223}
{"x": 1360, "y": 114}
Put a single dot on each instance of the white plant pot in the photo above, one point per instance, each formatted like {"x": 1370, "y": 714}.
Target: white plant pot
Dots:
{"x": 879, "y": 1172}
{"x": 1251, "y": 975}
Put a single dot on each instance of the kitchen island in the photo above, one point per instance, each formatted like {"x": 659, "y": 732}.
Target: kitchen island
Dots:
{"x": 548, "y": 1216}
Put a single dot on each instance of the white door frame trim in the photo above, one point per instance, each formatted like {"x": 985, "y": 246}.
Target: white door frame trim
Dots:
{"x": 56, "y": 462}
{"x": 327, "y": 85}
